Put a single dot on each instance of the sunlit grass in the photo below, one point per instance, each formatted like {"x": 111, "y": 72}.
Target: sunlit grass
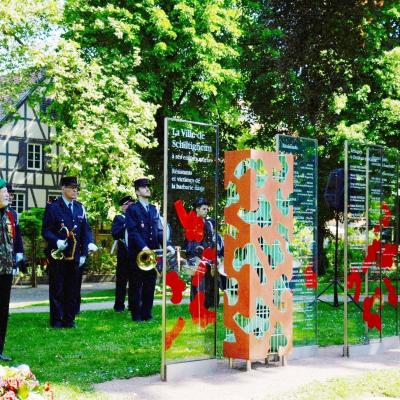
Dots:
{"x": 108, "y": 345}
{"x": 374, "y": 384}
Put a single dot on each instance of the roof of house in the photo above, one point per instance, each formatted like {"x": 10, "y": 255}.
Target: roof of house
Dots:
{"x": 22, "y": 96}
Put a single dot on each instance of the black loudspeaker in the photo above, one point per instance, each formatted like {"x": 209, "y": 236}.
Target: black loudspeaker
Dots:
{"x": 334, "y": 190}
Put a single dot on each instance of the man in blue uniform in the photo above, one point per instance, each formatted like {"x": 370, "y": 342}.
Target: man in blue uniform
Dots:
{"x": 66, "y": 231}
{"x": 11, "y": 253}
{"x": 144, "y": 233}
{"x": 118, "y": 230}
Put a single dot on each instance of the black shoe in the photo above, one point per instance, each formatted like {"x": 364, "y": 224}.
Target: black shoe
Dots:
{"x": 5, "y": 358}
{"x": 119, "y": 309}
{"x": 57, "y": 325}
{"x": 70, "y": 325}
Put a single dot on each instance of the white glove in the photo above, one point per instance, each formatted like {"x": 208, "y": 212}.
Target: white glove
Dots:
{"x": 82, "y": 260}
{"x": 170, "y": 250}
{"x": 15, "y": 271}
{"x": 92, "y": 247}
{"x": 145, "y": 248}
{"x": 61, "y": 245}
{"x": 19, "y": 257}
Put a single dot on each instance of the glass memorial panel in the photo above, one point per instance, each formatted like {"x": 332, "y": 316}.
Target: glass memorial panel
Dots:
{"x": 372, "y": 242}
{"x": 190, "y": 204}
{"x": 304, "y": 246}
{"x": 380, "y": 306}
{"x": 357, "y": 239}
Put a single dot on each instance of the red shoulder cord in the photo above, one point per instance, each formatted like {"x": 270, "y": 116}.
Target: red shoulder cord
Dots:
{"x": 12, "y": 220}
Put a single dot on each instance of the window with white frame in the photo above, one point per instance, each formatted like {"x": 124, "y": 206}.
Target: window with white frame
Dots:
{"x": 34, "y": 156}
{"x": 52, "y": 196}
{"x": 18, "y": 202}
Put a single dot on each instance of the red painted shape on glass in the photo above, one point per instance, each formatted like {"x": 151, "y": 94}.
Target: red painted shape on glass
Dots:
{"x": 200, "y": 314}
{"x": 192, "y": 224}
{"x": 372, "y": 319}
{"x": 389, "y": 251}
{"x": 385, "y": 221}
{"x": 371, "y": 256}
{"x": 310, "y": 278}
{"x": 354, "y": 280}
{"x": 210, "y": 253}
{"x": 199, "y": 274}
{"x": 174, "y": 333}
{"x": 177, "y": 286}
{"x": 392, "y": 296}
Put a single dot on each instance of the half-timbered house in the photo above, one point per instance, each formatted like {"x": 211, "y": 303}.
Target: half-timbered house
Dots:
{"x": 23, "y": 157}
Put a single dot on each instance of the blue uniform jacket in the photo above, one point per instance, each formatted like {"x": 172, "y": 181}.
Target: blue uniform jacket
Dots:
{"x": 118, "y": 233}
{"x": 143, "y": 227}
{"x": 56, "y": 216}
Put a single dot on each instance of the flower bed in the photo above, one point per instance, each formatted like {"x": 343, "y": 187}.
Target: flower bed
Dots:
{"x": 19, "y": 383}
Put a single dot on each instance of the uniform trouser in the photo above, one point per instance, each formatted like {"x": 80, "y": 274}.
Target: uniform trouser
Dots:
{"x": 64, "y": 281}
{"x": 5, "y": 290}
{"x": 141, "y": 293}
{"x": 206, "y": 284}
{"x": 121, "y": 280}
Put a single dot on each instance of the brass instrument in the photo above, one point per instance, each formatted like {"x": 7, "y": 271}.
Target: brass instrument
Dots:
{"x": 147, "y": 260}
{"x": 58, "y": 254}
{"x": 190, "y": 266}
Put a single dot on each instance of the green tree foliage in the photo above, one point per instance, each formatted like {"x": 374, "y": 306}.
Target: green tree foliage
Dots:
{"x": 309, "y": 64}
{"x": 322, "y": 69}
{"x": 102, "y": 122}
{"x": 296, "y": 54}
{"x": 24, "y": 27}
{"x": 30, "y": 222}
{"x": 370, "y": 109}
{"x": 102, "y": 125}
{"x": 184, "y": 53}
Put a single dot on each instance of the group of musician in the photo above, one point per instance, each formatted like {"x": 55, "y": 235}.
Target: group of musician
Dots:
{"x": 69, "y": 238}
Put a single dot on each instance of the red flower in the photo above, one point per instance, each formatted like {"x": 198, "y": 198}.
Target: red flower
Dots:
{"x": 10, "y": 395}
{"x": 14, "y": 383}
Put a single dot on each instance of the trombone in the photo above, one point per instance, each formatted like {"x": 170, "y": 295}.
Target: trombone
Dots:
{"x": 58, "y": 254}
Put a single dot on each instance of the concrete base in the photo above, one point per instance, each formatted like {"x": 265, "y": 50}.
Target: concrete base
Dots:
{"x": 374, "y": 347}
{"x": 191, "y": 369}
{"x": 303, "y": 352}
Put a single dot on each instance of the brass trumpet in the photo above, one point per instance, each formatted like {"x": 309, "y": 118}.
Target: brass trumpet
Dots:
{"x": 58, "y": 254}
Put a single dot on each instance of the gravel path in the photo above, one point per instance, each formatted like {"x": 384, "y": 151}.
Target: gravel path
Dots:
{"x": 23, "y": 296}
{"x": 260, "y": 383}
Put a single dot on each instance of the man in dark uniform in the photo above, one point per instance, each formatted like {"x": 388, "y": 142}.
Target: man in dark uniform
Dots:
{"x": 92, "y": 248}
{"x": 118, "y": 230}
{"x": 144, "y": 233}
{"x": 11, "y": 253}
{"x": 65, "y": 229}
{"x": 202, "y": 236}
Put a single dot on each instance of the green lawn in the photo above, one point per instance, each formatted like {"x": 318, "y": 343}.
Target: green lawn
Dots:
{"x": 372, "y": 384}
{"x": 108, "y": 345}
{"x": 330, "y": 325}
{"x": 104, "y": 346}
